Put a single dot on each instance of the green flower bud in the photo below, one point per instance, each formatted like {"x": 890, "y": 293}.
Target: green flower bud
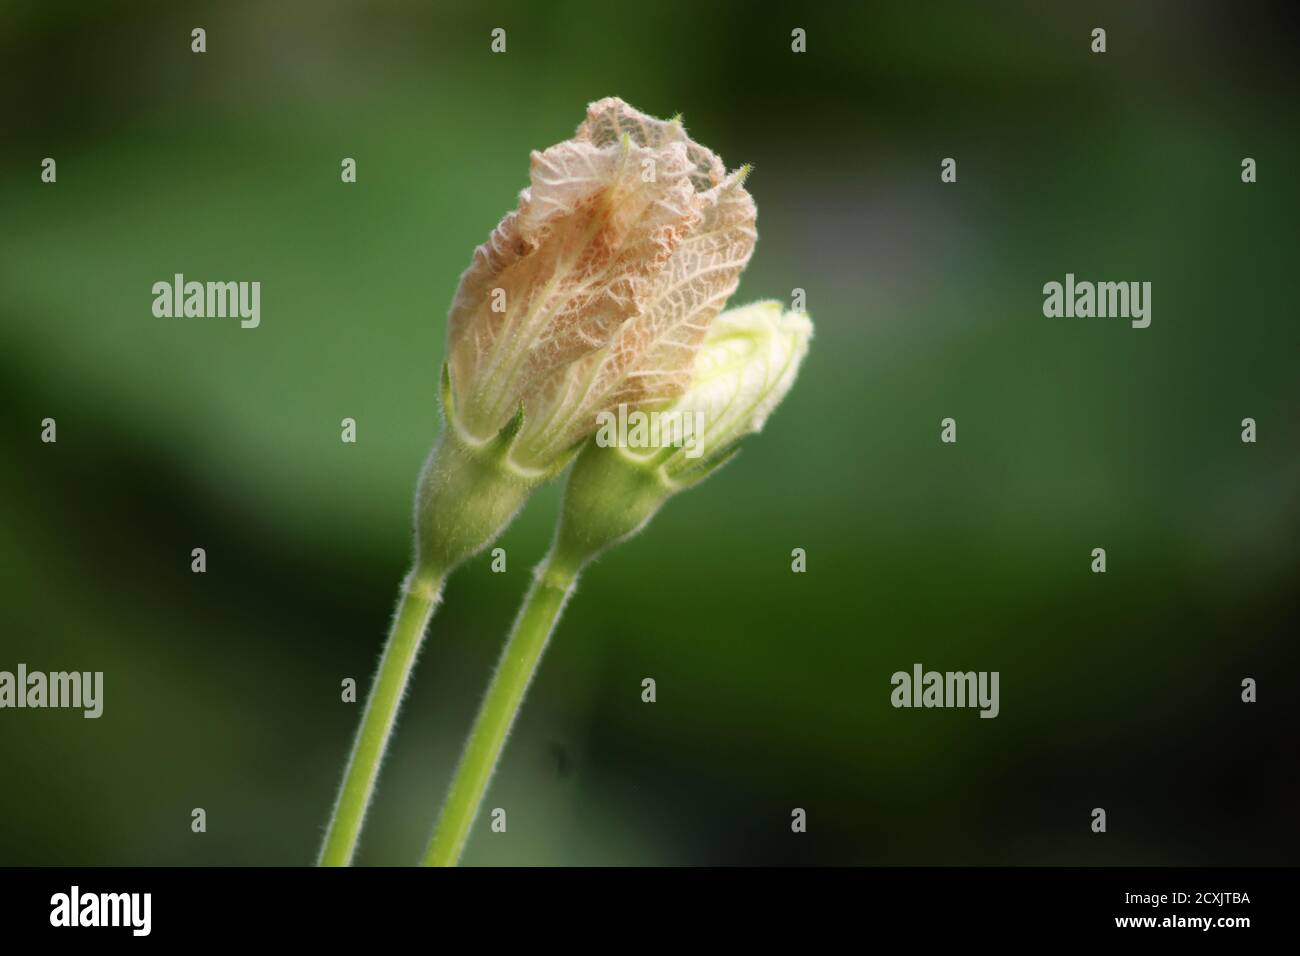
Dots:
{"x": 747, "y": 363}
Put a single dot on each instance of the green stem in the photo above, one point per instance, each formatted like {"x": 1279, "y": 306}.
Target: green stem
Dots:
{"x": 420, "y": 596}
{"x": 532, "y": 629}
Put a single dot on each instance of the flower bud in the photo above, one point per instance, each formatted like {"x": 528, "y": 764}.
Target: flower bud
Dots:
{"x": 650, "y": 360}
{"x": 747, "y": 363}
{"x": 598, "y": 288}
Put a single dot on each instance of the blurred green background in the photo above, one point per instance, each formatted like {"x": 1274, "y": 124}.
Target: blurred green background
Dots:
{"x": 222, "y": 690}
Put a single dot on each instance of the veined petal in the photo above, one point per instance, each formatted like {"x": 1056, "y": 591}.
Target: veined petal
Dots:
{"x": 650, "y": 359}
{"x": 562, "y": 272}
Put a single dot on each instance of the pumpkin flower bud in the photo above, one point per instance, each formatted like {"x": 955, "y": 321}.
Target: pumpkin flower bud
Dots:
{"x": 595, "y": 292}
{"x": 743, "y": 369}
{"x": 599, "y": 287}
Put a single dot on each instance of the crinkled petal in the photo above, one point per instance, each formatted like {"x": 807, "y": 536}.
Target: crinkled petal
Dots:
{"x": 572, "y": 263}
{"x": 650, "y": 359}
{"x": 608, "y": 120}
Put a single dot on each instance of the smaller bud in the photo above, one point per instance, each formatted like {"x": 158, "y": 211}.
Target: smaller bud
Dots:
{"x": 747, "y": 363}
